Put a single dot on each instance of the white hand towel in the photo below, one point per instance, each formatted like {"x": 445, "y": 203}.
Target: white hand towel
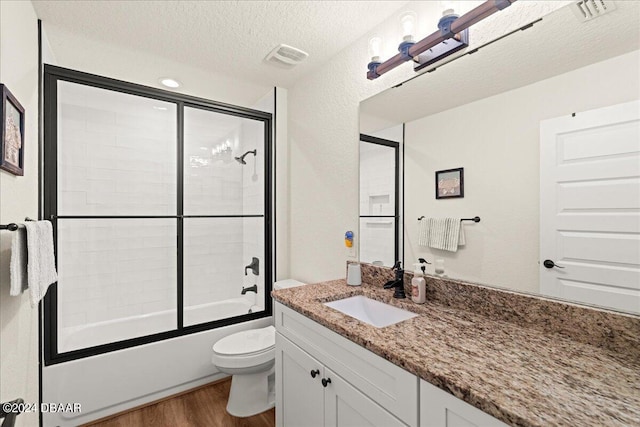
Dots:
{"x": 462, "y": 239}
{"x": 423, "y": 232}
{"x": 18, "y": 262}
{"x": 444, "y": 233}
{"x": 41, "y": 265}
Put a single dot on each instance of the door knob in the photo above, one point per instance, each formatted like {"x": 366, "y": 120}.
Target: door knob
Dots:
{"x": 550, "y": 264}
{"x": 326, "y": 382}
{"x": 314, "y": 373}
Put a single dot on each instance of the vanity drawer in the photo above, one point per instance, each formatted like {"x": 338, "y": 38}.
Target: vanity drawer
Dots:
{"x": 387, "y": 384}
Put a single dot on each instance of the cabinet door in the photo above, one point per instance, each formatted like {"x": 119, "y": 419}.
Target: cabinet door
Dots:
{"x": 299, "y": 392}
{"x": 345, "y": 406}
{"x": 441, "y": 409}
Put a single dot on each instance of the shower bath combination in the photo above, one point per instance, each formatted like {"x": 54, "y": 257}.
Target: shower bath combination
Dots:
{"x": 241, "y": 158}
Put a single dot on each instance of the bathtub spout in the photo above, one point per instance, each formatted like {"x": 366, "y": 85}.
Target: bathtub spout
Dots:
{"x": 253, "y": 288}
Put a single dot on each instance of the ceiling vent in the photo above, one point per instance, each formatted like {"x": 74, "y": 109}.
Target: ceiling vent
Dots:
{"x": 286, "y": 55}
{"x": 586, "y": 10}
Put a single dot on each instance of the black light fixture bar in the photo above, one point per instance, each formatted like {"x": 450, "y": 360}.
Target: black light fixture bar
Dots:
{"x": 465, "y": 21}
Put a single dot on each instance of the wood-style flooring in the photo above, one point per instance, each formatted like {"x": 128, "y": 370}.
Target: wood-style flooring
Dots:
{"x": 202, "y": 407}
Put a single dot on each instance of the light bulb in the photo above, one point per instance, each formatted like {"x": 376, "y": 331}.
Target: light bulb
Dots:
{"x": 448, "y": 7}
{"x": 375, "y": 48}
{"x": 408, "y": 24}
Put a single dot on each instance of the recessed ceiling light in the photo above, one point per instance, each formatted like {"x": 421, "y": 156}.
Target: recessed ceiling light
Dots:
{"x": 170, "y": 83}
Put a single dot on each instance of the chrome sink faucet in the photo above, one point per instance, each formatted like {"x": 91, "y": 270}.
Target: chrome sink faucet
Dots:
{"x": 398, "y": 282}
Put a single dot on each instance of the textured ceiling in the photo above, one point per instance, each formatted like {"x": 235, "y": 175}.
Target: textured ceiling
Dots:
{"x": 227, "y": 37}
{"x": 558, "y": 44}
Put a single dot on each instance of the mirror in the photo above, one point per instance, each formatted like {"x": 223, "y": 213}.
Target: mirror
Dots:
{"x": 482, "y": 111}
{"x": 380, "y": 197}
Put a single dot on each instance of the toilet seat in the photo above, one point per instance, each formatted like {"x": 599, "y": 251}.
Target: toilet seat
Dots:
{"x": 245, "y": 349}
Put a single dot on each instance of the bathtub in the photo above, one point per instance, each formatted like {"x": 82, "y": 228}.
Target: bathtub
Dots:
{"x": 90, "y": 335}
{"x": 124, "y": 379}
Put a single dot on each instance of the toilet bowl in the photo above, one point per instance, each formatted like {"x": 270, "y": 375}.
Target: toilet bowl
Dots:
{"x": 249, "y": 356}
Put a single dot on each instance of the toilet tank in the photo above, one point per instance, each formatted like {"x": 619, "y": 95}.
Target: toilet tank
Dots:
{"x": 286, "y": 283}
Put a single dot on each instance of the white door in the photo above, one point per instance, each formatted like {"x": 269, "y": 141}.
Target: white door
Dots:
{"x": 299, "y": 391}
{"x": 345, "y": 406}
{"x": 590, "y": 207}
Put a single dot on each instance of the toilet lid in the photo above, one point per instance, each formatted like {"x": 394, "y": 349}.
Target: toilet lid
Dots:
{"x": 247, "y": 342}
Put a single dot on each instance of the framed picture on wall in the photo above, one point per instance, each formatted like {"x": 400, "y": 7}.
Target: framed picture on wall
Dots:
{"x": 11, "y": 133}
{"x": 450, "y": 183}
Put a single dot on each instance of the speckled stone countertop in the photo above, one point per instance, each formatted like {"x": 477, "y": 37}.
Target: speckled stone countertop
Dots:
{"x": 526, "y": 360}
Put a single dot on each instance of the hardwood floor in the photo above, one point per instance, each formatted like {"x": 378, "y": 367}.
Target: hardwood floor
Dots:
{"x": 203, "y": 407}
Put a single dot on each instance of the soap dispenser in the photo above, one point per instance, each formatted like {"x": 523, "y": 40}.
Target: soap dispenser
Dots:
{"x": 418, "y": 283}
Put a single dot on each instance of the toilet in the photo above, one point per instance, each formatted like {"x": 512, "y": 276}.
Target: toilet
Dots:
{"x": 249, "y": 356}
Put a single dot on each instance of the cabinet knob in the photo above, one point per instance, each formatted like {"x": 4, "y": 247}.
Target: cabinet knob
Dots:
{"x": 326, "y": 382}
{"x": 315, "y": 372}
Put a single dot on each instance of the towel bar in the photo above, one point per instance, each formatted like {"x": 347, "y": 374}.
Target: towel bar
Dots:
{"x": 12, "y": 226}
{"x": 474, "y": 219}
{"x": 10, "y": 417}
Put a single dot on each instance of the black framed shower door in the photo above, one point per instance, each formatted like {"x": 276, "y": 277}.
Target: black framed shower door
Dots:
{"x": 170, "y": 103}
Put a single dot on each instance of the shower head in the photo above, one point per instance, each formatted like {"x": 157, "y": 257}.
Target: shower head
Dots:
{"x": 241, "y": 158}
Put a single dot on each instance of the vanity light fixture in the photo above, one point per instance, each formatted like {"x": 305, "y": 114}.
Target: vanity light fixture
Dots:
{"x": 452, "y": 35}
{"x": 170, "y": 83}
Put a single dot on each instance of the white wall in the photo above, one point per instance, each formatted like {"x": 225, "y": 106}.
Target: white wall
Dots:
{"x": 80, "y": 53}
{"x": 323, "y": 137}
{"x": 19, "y": 198}
{"x": 496, "y": 140}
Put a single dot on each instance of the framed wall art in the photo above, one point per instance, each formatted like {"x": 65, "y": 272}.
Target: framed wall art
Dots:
{"x": 11, "y": 133}
{"x": 450, "y": 183}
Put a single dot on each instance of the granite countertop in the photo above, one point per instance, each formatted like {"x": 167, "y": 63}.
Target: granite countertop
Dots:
{"x": 520, "y": 374}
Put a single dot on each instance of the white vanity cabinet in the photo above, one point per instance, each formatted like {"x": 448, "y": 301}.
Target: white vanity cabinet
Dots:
{"x": 441, "y": 409}
{"x": 359, "y": 387}
{"x": 300, "y": 395}
{"x": 313, "y": 395}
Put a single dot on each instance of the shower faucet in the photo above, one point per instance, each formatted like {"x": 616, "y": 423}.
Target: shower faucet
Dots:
{"x": 254, "y": 266}
{"x": 253, "y": 288}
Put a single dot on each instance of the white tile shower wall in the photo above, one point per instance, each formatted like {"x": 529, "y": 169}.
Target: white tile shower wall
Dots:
{"x": 212, "y": 182}
{"x": 377, "y": 241}
{"x": 116, "y": 153}
{"x": 377, "y": 179}
{"x": 212, "y": 259}
{"x": 110, "y": 269}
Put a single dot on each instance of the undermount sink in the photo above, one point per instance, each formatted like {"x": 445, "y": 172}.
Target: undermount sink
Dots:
{"x": 370, "y": 311}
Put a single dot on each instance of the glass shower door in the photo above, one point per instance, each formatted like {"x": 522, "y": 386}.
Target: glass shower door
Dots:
{"x": 224, "y": 216}
{"x": 116, "y": 216}
{"x": 160, "y": 204}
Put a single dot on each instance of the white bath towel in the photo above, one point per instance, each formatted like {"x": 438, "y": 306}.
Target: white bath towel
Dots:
{"x": 41, "y": 265}
{"x": 18, "y": 262}
{"x": 441, "y": 233}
